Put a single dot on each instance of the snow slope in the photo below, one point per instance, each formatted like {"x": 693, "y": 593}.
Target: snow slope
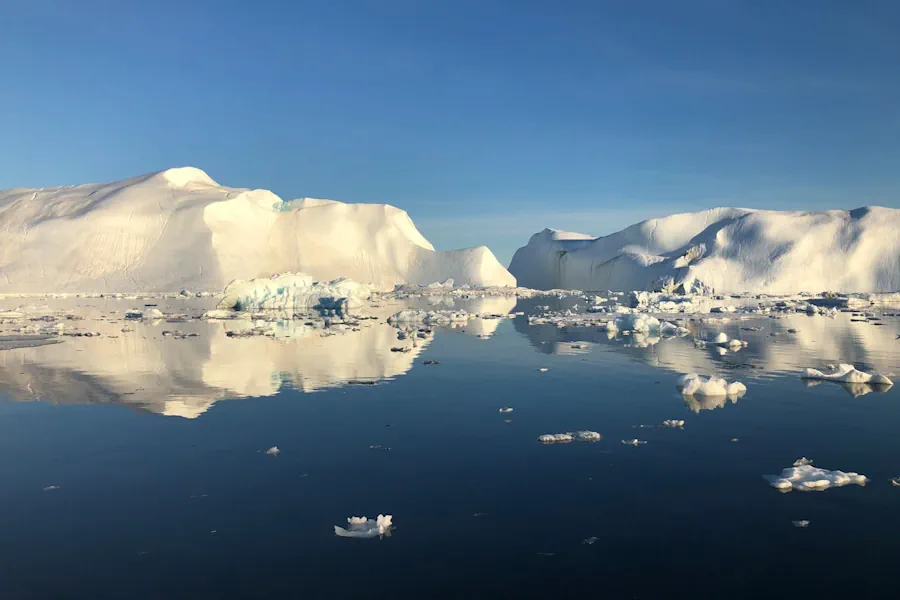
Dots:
{"x": 180, "y": 229}
{"x": 725, "y": 249}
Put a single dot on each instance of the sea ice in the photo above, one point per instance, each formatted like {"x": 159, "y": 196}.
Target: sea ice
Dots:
{"x": 273, "y": 451}
{"x": 693, "y": 384}
{"x": 807, "y": 478}
{"x": 845, "y": 373}
{"x": 675, "y": 423}
{"x": 361, "y": 527}
{"x": 555, "y": 438}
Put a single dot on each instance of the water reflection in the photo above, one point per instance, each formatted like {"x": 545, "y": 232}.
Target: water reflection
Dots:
{"x": 182, "y": 364}
{"x": 784, "y": 345}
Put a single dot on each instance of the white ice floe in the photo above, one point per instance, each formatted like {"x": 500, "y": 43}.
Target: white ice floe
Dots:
{"x": 587, "y": 436}
{"x": 506, "y": 409}
{"x": 634, "y": 442}
{"x": 803, "y": 523}
{"x": 273, "y": 451}
{"x": 802, "y": 462}
{"x": 807, "y": 478}
{"x": 555, "y": 438}
{"x": 361, "y": 527}
{"x": 845, "y": 373}
{"x": 693, "y": 384}
{"x": 431, "y": 317}
{"x": 674, "y": 423}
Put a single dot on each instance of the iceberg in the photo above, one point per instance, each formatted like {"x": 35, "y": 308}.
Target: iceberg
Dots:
{"x": 729, "y": 250}
{"x": 179, "y": 229}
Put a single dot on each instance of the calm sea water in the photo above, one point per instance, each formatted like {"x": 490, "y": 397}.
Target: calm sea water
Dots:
{"x": 156, "y": 446}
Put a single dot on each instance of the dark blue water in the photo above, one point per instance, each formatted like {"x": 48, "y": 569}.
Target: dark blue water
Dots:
{"x": 153, "y": 506}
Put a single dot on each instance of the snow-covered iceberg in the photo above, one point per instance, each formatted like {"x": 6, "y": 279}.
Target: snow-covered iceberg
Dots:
{"x": 724, "y": 249}
{"x": 179, "y": 229}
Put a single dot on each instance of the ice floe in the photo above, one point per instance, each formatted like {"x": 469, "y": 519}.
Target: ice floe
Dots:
{"x": 845, "y": 373}
{"x": 693, "y": 384}
{"x": 361, "y": 527}
{"x": 806, "y": 478}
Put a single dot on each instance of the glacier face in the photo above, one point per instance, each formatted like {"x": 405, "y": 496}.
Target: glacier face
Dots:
{"x": 727, "y": 250}
{"x": 180, "y": 229}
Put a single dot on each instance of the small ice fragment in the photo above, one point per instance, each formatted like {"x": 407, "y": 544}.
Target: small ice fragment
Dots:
{"x": 589, "y": 541}
{"x": 543, "y": 369}
{"x": 379, "y": 447}
{"x": 546, "y": 553}
{"x": 50, "y": 488}
{"x": 273, "y": 451}
{"x": 677, "y": 423}
{"x": 431, "y": 362}
{"x": 480, "y": 514}
{"x": 587, "y": 436}
{"x": 802, "y": 461}
{"x": 506, "y": 409}
{"x": 734, "y": 440}
{"x": 801, "y": 523}
{"x": 634, "y": 442}
{"x": 362, "y": 527}
{"x": 895, "y": 481}
{"x": 555, "y": 438}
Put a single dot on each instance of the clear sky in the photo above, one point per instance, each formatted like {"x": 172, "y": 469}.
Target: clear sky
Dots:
{"x": 487, "y": 120}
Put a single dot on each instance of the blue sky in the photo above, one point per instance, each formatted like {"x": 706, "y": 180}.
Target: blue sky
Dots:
{"x": 486, "y": 120}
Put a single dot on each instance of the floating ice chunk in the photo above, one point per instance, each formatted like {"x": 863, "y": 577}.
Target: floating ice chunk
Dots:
{"x": 431, "y": 317}
{"x": 845, "y": 373}
{"x": 802, "y": 523}
{"x": 218, "y": 313}
{"x": 807, "y": 478}
{"x": 693, "y": 384}
{"x": 634, "y": 322}
{"x": 895, "y": 481}
{"x": 555, "y": 438}
{"x": 294, "y": 291}
{"x": 803, "y": 461}
{"x": 634, "y": 442}
{"x": 676, "y": 423}
{"x": 506, "y": 409}
{"x": 589, "y": 541}
{"x": 50, "y": 488}
{"x": 720, "y": 339}
{"x": 361, "y": 527}
{"x": 587, "y": 436}
{"x": 273, "y": 451}
{"x": 543, "y": 369}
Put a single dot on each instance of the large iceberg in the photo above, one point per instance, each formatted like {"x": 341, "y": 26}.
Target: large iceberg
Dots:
{"x": 726, "y": 250}
{"x": 180, "y": 229}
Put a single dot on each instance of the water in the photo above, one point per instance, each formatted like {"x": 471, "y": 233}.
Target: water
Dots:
{"x": 189, "y": 505}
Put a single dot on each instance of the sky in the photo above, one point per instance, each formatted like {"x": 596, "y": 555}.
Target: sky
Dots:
{"x": 486, "y": 120}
